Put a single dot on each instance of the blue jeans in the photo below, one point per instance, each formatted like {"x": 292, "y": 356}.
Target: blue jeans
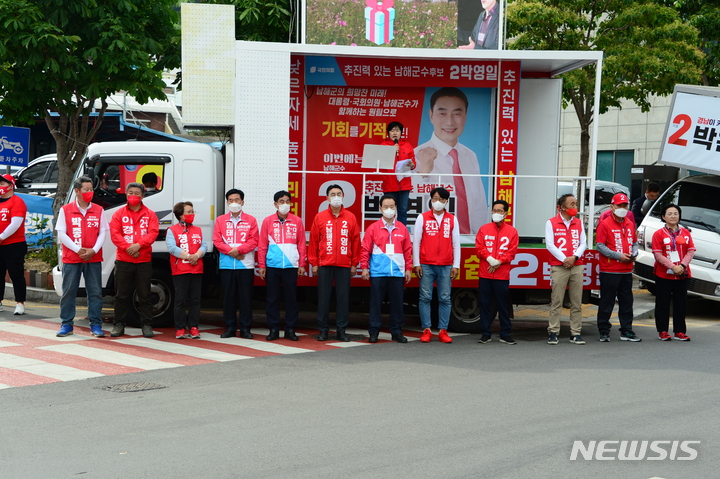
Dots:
{"x": 401, "y": 198}
{"x": 432, "y": 273}
{"x": 92, "y": 272}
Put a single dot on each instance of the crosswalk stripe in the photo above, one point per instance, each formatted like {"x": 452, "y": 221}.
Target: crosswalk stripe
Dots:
{"x": 265, "y": 346}
{"x": 42, "y": 368}
{"x": 4, "y": 386}
{"x": 110, "y": 356}
{"x": 188, "y": 350}
{"x": 37, "y": 331}
{"x": 5, "y": 344}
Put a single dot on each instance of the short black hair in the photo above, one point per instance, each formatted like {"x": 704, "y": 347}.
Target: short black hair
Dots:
{"x": 150, "y": 178}
{"x": 444, "y": 194}
{"x": 280, "y": 194}
{"x": 395, "y": 124}
{"x": 448, "y": 91}
{"x": 561, "y": 200}
{"x": 653, "y": 187}
{"x": 332, "y": 187}
{"x": 235, "y": 191}
{"x": 664, "y": 209}
{"x": 504, "y": 204}
{"x": 387, "y": 197}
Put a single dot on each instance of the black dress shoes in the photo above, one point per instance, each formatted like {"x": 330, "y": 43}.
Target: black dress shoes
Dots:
{"x": 274, "y": 334}
{"x": 323, "y": 336}
{"x": 229, "y": 333}
{"x": 341, "y": 336}
{"x": 245, "y": 333}
{"x": 290, "y": 334}
{"x": 399, "y": 338}
{"x": 373, "y": 337}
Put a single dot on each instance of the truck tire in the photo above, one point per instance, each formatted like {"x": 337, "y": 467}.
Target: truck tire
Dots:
{"x": 650, "y": 287}
{"x": 162, "y": 296}
{"x": 465, "y": 311}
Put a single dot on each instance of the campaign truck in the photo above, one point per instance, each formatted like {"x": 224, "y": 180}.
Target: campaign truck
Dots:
{"x": 691, "y": 142}
{"x": 299, "y": 117}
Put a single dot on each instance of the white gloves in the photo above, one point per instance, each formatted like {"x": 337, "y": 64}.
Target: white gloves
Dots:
{"x": 493, "y": 261}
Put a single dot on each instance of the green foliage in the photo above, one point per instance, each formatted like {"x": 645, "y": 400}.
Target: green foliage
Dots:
{"x": 262, "y": 20}
{"x": 423, "y": 24}
{"x": 647, "y": 49}
{"x": 43, "y": 248}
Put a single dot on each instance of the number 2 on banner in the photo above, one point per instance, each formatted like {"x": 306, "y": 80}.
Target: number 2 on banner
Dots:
{"x": 675, "y": 138}
{"x": 529, "y": 270}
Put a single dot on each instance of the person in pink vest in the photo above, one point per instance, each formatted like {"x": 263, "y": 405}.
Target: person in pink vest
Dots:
{"x": 13, "y": 245}
{"x": 496, "y": 244}
{"x": 673, "y": 248}
{"x": 133, "y": 230}
{"x": 81, "y": 229}
{"x": 618, "y": 248}
{"x": 282, "y": 258}
{"x": 236, "y": 238}
{"x": 565, "y": 240}
{"x": 186, "y": 245}
{"x": 436, "y": 259}
{"x": 386, "y": 260}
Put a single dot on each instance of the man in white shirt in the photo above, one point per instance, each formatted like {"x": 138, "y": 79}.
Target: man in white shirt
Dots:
{"x": 443, "y": 156}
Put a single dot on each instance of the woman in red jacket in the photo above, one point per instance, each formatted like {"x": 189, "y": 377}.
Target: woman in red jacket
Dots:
{"x": 398, "y": 183}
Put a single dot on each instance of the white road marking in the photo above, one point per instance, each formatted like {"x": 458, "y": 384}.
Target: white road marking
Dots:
{"x": 177, "y": 348}
{"x": 109, "y": 356}
{"x": 42, "y": 368}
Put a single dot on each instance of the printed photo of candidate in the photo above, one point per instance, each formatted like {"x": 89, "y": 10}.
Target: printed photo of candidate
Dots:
{"x": 443, "y": 155}
{"x": 485, "y": 32}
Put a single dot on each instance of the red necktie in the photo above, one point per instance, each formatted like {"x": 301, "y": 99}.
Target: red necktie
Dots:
{"x": 461, "y": 210}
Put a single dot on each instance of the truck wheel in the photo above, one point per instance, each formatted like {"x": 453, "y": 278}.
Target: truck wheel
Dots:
{"x": 465, "y": 311}
{"x": 650, "y": 287}
{"x": 162, "y": 297}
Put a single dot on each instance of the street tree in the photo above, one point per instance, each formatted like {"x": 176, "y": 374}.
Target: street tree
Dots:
{"x": 647, "y": 49}
{"x": 262, "y": 20}
{"x": 58, "y": 58}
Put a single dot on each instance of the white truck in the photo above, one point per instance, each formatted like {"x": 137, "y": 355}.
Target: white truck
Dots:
{"x": 691, "y": 142}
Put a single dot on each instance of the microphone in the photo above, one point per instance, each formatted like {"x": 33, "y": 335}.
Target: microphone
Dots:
{"x": 396, "y": 141}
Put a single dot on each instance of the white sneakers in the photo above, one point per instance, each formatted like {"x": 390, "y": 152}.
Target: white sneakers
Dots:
{"x": 19, "y": 309}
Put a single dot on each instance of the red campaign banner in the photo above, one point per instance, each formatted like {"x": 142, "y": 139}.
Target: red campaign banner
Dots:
{"x": 296, "y": 157}
{"x": 507, "y": 133}
{"x": 405, "y": 72}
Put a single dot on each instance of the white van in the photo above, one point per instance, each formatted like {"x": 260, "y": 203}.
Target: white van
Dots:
{"x": 699, "y": 199}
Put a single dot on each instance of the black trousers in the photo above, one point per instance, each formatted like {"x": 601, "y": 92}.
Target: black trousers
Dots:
{"x": 498, "y": 289}
{"x": 237, "y": 285}
{"x": 188, "y": 288}
{"x": 341, "y": 277}
{"x": 281, "y": 280}
{"x": 393, "y": 288}
{"x": 667, "y": 290}
{"x": 129, "y": 278}
{"x": 12, "y": 261}
{"x": 615, "y": 285}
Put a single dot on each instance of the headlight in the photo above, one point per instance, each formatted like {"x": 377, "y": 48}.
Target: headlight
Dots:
{"x": 641, "y": 238}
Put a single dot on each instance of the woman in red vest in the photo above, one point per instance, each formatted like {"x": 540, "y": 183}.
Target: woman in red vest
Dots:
{"x": 397, "y": 183}
{"x": 673, "y": 248}
{"x": 186, "y": 244}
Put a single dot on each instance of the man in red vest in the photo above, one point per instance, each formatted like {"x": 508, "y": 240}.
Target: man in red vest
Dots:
{"x": 618, "y": 248}
{"x": 81, "y": 228}
{"x": 13, "y": 245}
{"x": 565, "y": 239}
{"x": 334, "y": 253}
{"x": 496, "y": 244}
{"x": 133, "y": 230}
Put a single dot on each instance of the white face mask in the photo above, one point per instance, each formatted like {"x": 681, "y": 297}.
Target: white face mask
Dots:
{"x": 389, "y": 213}
{"x": 438, "y": 205}
{"x": 284, "y": 209}
{"x": 336, "y": 201}
{"x": 235, "y": 207}
{"x": 497, "y": 218}
{"x": 621, "y": 212}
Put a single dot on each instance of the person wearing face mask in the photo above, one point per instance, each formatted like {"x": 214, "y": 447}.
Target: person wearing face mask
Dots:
{"x": 236, "y": 237}
{"x": 386, "y": 260}
{"x": 565, "y": 240}
{"x": 334, "y": 253}
{"x": 398, "y": 183}
{"x": 496, "y": 244}
{"x": 186, "y": 245}
{"x": 618, "y": 248}
{"x": 13, "y": 245}
{"x": 133, "y": 230}
{"x": 81, "y": 229}
{"x": 436, "y": 259}
{"x": 282, "y": 258}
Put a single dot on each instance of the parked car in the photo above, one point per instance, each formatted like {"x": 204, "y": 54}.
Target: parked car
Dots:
{"x": 604, "y": 191}
{"x": 40, "y": 177}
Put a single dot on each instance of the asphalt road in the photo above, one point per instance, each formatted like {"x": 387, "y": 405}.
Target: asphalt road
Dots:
{"x": 387, "y": 410}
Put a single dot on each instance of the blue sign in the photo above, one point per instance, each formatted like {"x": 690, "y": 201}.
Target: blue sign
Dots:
{"x": 14, "y": 145}
{"x": 39, "y": 209}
